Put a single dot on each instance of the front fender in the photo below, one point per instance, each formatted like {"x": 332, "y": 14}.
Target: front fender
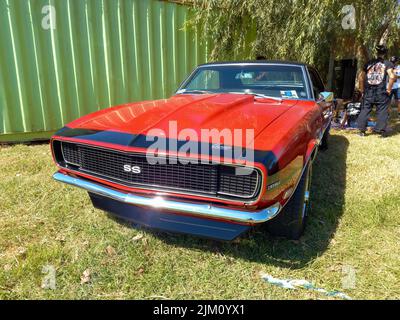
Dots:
{"x": 312, "y": 150}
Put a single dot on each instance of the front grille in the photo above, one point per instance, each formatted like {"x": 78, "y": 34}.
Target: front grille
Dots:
{"x": 215, "y": 180}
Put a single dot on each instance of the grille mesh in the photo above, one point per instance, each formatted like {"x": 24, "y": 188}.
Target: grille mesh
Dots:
{"x": 211, "y": 179}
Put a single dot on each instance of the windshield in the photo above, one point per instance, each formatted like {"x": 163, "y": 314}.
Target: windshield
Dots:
{"x": 277, "y": 81}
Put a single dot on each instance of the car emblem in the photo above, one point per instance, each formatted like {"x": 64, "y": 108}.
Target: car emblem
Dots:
{"x": 133, "y": 169}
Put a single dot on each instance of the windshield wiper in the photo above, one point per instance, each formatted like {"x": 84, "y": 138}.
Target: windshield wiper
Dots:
{"x": 194, "y": 91}
{"x": 267, "y": 97}
{"x": 260, "y": 95}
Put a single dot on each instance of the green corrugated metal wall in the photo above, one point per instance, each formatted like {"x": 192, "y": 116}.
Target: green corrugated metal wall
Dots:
{"x": 101, "y": 53}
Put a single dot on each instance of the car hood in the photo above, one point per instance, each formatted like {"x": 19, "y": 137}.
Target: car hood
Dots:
{"x": 190, "y": 112}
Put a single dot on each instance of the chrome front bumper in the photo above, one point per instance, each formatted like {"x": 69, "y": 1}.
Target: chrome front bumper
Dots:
{"x": 206, "y": 211}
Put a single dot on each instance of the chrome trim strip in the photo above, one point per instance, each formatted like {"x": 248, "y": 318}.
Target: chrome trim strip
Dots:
{"x": 237, "y": 199}
{"x": 207, "y": 211}
{"x": 307, "y": 77}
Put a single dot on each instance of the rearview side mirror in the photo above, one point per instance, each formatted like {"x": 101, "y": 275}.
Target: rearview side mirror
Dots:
{"x": 325, "y": 97}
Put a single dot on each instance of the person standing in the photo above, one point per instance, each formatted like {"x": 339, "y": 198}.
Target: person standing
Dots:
{"x": 396, "y": 86}
{"x": 376, "y": 92}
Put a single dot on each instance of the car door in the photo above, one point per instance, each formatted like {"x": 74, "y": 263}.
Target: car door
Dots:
{"x": 325, "y": 106}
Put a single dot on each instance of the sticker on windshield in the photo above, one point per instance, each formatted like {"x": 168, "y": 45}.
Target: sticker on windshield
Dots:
{"x": 244, "y": 75}
{"x": 291, "y": 94}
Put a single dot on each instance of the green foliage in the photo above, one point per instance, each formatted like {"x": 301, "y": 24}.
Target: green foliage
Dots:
{"x": 302, "y": 30}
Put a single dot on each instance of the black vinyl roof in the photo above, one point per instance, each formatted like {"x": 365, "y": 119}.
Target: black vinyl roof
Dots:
{"x": 255, "y": 61}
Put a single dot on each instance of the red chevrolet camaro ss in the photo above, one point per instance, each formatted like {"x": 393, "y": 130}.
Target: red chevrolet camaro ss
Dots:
{"x": 231, "y": 149}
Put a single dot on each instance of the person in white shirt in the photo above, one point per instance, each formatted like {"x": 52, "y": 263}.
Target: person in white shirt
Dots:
{"x": 396, "y": 86}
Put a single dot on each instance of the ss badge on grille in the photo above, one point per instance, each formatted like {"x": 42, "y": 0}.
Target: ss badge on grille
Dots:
{"x": 133, "y": 169}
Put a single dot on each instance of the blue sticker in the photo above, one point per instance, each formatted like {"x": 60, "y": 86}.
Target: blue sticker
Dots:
{"x": 289, "y": 94}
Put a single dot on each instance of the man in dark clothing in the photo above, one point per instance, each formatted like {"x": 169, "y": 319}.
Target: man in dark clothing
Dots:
{"x": 396, "y": 87}
{"x": 376, "y": 91}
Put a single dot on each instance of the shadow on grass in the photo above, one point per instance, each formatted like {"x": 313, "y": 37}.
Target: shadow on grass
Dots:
{"x": 40, "y": 142}
{"x": 328, "y": 187}
{"x": 395, "y": 128}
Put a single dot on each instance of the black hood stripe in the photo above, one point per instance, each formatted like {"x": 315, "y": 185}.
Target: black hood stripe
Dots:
{"x": 267, "y": 158}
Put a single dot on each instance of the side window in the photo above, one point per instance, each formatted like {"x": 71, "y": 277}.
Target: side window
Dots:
{"x": 205, "y": 80}
{"x": 317, "y": 83}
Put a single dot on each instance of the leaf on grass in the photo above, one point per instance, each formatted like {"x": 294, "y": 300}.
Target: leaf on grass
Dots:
{"x": 86, "y": 276}
{"x": 21, "y": 251}
{"x": 137, "y": 237}
{"x": 158, "y": 297}
{"x": 140, "y": 271}
{"x": 110, "y": 251}
{"x": 60, "y": 237}
{"x": 334, "y": 268}
{"x": 7, "y": 267}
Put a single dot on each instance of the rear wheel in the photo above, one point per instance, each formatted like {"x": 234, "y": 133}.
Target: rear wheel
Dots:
{"x": 290, "y": 222}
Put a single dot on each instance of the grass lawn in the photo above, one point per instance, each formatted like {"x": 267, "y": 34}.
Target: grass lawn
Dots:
{"x": 354, "y": 226}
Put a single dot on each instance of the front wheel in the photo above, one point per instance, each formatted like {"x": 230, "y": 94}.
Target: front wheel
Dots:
{"x": 290, "y": 222}
{"x": 325, "y": 140}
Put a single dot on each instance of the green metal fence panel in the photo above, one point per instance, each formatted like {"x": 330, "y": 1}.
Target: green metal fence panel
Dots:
{"x": 85, "y": 55}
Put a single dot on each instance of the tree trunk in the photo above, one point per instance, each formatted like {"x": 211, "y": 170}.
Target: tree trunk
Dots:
{"x": 384, "y": 34}
{"x": 331, "y": 70}
{"x": 362, "y": 56}
{"x": 362, "y": 59}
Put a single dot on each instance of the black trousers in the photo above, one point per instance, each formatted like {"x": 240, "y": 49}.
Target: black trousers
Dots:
{"x": 380, "y": 98}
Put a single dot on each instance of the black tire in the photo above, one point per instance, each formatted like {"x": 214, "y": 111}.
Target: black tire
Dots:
{"x": 325, "y": 140}
{"x": 290, "y": 222}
